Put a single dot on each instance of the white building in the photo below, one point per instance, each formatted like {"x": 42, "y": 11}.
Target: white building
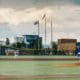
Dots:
{"x": 19, "y": 39}
{"x": 3, "y": 43}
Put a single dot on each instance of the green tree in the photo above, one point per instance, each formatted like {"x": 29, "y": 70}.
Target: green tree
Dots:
{"x": 7, "y": 41}
{"x": 23, "y": 44}
{"x": 14, "y": 45}
{"x": 19, "y": 45}
{"x": 54, "y": 45}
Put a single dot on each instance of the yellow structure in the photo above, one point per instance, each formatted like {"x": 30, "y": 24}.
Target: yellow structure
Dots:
{"x": 67, "y": 45}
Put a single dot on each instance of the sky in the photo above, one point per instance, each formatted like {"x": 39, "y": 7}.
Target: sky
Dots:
{"x": 17, "y": 18}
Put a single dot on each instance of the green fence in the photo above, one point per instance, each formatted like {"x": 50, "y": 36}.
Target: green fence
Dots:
{"x": 40, "y": 52}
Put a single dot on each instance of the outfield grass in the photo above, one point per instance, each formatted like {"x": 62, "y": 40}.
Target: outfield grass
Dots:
{"x": 52, "y": 56}
{"x": 36, "y": 68}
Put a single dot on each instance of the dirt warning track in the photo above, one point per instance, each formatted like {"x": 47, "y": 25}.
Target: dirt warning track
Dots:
{"x": 4, "y": 77}
{"x": 39, "y": 59}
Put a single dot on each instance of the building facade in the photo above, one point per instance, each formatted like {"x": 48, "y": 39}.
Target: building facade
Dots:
{"x": 77, "y": 48}
{"x": 3, "y": 43}
{"x": 2, "y": 47}
{"x": 19, "y": 39}
{"x": 67, "y": 45}
{"x": 33, "y": 41}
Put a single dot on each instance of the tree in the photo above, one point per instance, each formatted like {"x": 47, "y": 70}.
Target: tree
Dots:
{"x": 54, "y": 46}
{"x": 14, "y": 45}
{"x": 7, "y": 41}
{"x": 19, "y": 45}
{"x": 23, "y": 44}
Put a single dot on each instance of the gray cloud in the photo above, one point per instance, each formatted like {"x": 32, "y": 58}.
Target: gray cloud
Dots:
{"x": 64, "y": 16}
{"x": 5, "y": 31}
{"x": 35, "y": 3}
{"x": 16, "y": 3}
{"x": 76, "y": 2}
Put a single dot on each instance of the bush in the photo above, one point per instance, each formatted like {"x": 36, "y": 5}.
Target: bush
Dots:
{"x": 60, "y": 52}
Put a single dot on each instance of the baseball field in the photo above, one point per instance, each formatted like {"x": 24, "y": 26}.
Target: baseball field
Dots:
{"x": 39, "y": 68}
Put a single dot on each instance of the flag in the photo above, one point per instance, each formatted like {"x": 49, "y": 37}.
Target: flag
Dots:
{"x": 43, "y": 16}
{"x": 36, "y": 22}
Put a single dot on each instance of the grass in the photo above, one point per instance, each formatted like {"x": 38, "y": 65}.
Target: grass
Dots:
{"x": 37, "y": 67}
{"x": 39, "y": 56}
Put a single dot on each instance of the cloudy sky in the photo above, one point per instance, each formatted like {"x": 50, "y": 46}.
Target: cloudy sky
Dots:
{"x": 17, "y": 18}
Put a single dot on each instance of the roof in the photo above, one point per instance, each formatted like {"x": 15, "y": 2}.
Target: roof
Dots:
{"x": 67, "y": 40}
{"x": 30, "y": 35}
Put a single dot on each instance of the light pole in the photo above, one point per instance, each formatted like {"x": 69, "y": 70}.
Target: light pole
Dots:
{"x": 44, "y": 17}
{"x": 45, "y": 34}
{"x": 38, "y": 33}
{"x": 37, "y": 23}
{"x": 51, "y": 34}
